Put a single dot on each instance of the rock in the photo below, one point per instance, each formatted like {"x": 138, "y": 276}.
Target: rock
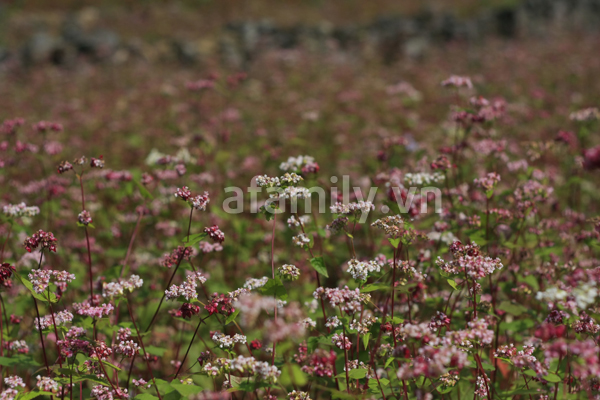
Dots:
{"x": 44, "y": 47}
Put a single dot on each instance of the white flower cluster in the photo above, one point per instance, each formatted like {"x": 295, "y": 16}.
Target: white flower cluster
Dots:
{"x": 352, "y": 208}
{"x": 296, "y": 163}
{"x": 60, "y": 317}
{"x": 40, "y": 278}
{"x": 186, "y": 289}
{"x": 20, "y": 210}
{"x": 46, "y": 384}
{"x": 114, "y": 289}
{"x": 363, "y": 327}
{"x": 291, "y": 192}
{"x": 295, "y": 222}
{"x": 308, "y": 323}
{"x": 127, "y": 348}
{"x": 333, "y": 322}
{"x": 584, "y": 295}
{"x": 290, "y": 272}
{"x": 253, "y": 283}
{"x": 423, "y": 178}
{"x": 288, "y": 179}
{"x": 298, "y": 395}
{"x": 360, "y": 270}
{"x": 226, "y": 341}
{"x": 301, "y": 240}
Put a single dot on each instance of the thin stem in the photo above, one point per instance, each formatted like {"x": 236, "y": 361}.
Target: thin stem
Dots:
{"x": 189, "y": 347}
{"x": 143, "y": 347}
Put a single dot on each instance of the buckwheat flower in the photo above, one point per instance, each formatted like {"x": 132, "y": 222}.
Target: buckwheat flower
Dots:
{"x": 46, "y": 384}
{"x": 86, "y": 309}
{"x": 482, "y": 385}
{"x": 301, "y": 240}
{"x": 20, "y": 346}
{"x": 183, "y": 193}
{"x": 298, "y": 395}
{"x": 20, "y": 210}
{"x": 390, "y": 225}
{"x": 295, "y": 164}
{"x": 6, "y": 271}
{"x": 363, "y": 207}
{"x": 45, "y": 126}
{"x": 488, "y": 182}
{"x": 80, "y": 161}
{"x": 206, "y": 247}
{"x": 458, "y": 81}
{"x": 253, "y": 283}
{"x": 97, "y": 162}
{"x": 186, "y": 289}
{"x": 9, "y": 394}
{"x": 333, "y": 322}
{"x": 176, "y": 256}
{"x": 423, "y": 178}
{"x": 189, "y": 310}
{"x": 10, "y": 126}
{"x": 289, "y": 272}
{"x": 84, "y": 218}
{"x": 14, "y": 381}
{"x": 117, "y": 289}
{"x": 360, "y": 270}
{"x": 223, "y": 341}
{"x": 587, "y": 114}
{"x": 215, "y": 233}
{"x": 308, "y": 323}
{"x": 102, "y": 392}
{"x": 341, "y": 341}
{"x": 468, "y": 259}
{"x": 337, "y": 225}
{"x": 64, "y": 166}
{"x": 40, "y": 278}
{"x": 141, "y": 383}
{"x": 295, "y": 222}
{"x": 264, "y": 371}
{"x": 127, "y": 348}
{"x": 45, "y": 240}
{"x": 291, "y": 193}
{"x": 200, "y": 201}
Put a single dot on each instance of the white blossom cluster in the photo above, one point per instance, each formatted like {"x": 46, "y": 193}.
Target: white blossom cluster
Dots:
{"x": 296, "y": 163}
{"x": 20, "y": 210}
{"x": 254, "y": 283}
{"x": 60, "y": 317}
{"x": 360, "y": 270}
{"x": 288, "y": 179}
{"x": 226, "y": 341}
{"x": 301, "y": 240}
{"x": 186, "y": 289}
{"x": 294, "y": 221}
{"x": 115, "y": 289}
{"x": 289, "y": 272}
{"x": 352, "y": 208}
{"x": 423, "y": 178}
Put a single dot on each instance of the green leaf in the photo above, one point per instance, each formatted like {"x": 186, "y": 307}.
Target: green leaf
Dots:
{"x": 394, "y": 242}
{"x": 357, "y": 373}
{"x": 365, "y": 339}
{"x": 194, "y": 239}
{"x": 452, "y": 283}
{"x": 319, "y": 265}
{"x": 186, "y": 390}
{"x": 274, "y": 287}
{"x": 143, "y": 191}
{"x": 32, "y": 395}
{"x": 371, "y": 287}
{"x": 388, "y": 362}
{"x": 512, "y": 309}
{"x": 145, "y": 396}
{"x": 552, "y": 377}
{"x": 156, "y": 351}
{"x": 232, "y": 317}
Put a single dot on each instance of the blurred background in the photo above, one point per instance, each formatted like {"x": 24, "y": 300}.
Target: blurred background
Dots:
{"x": 311, "y": 67}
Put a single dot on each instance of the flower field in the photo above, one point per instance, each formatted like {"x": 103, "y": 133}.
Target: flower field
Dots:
{"x": 304, "y": 227}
